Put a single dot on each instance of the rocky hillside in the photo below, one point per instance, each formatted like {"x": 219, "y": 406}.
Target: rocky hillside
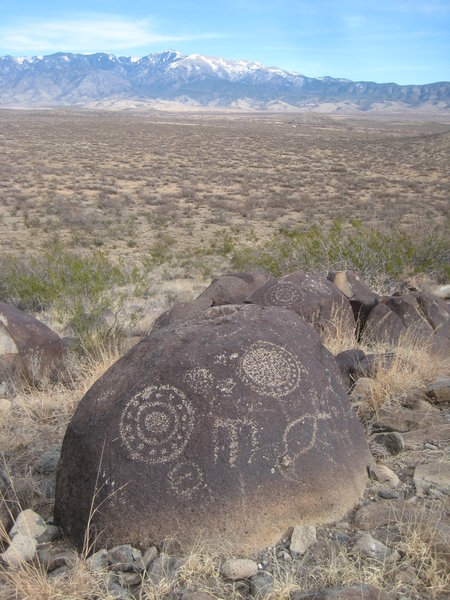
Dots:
{"x": 65, "y": 79}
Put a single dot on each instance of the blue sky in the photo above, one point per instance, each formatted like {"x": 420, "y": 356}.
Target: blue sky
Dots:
{"x": 384, "y": 40}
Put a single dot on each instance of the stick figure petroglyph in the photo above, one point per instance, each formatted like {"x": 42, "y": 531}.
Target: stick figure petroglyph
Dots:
{"x": 229, "y": 436}
{"x": 156, "y": 424}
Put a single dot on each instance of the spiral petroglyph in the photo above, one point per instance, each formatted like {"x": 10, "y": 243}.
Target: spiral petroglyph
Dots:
{"x": 269, "y": 370}
{"x": 156, "y": 424}
{"x": 185, "y": 479}
{"x": 283, "y": 293}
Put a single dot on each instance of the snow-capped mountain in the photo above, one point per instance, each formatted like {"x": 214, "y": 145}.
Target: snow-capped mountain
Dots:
{"x": 65, "y": 79}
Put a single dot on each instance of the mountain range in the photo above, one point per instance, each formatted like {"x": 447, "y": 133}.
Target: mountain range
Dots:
{"x": 106, "y": 80}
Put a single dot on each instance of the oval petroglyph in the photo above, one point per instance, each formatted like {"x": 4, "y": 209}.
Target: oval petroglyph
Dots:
{"x": 156, "y": 424}
{"x": 269, "y": 370}
{"x": 284, "y": 294}
{"x": 185, "y": 479}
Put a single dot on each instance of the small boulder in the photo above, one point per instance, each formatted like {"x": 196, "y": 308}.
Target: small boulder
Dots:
{"x": 354, "y": 592}
{"x": 239, "y": 568}
{"x": 370, "y": 364}
{"x": 384, "y": 475}
{"x": 369, "y": 547}
{"x": 438, "y": 392}
{"x": 302, "y": 538}
{"x": 346, "y": 360}
{"x": 432, "y": 476}
{"x": 392, "y": 441}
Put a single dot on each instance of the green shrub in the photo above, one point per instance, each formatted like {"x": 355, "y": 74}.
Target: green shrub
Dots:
{"x": 379, "y": 254}
{"x": 81, "y": 290}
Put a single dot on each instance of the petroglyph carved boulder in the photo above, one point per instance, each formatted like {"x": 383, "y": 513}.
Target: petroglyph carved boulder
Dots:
{"x": 314, "y": 298}
{"x": 27, "y": 346}
{"x": 231, "y": 427}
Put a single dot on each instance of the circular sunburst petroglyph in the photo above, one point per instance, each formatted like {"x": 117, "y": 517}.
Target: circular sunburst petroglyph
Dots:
{"x": 156, "y": 424}
{"x": 269, "y": 369}
{"x": 284, "y": 294}
{"x": 185, "y": 479}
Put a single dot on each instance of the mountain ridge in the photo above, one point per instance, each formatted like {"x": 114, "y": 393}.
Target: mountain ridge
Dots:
{"x": 68, "y": 79}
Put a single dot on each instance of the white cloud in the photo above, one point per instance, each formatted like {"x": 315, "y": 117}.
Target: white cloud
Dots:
{"x": 90, "y": 33}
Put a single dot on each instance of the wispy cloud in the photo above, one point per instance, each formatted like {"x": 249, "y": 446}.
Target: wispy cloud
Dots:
{"x": 90, "y": 33}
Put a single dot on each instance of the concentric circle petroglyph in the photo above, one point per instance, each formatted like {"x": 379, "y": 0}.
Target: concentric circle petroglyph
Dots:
{"x": 185, "y": 479}
{"x": 156, "y": 424}
{"x": 269, "y": 369}
{"x": 283, "y": 293}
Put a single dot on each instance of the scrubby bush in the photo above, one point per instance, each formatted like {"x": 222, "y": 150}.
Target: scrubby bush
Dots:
{"x": 380, "y": 254}
{"x": 84, "y": 291}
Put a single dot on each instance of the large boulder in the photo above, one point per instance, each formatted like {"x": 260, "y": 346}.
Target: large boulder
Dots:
{"x": 229, "y": 427}
{"x": 314, "y": 298}
{"x": 27, "y": 347}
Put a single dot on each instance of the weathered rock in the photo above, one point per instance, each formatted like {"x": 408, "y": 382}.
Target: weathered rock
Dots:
{"x": 149, "y": 557}
{"x": 312, "y": 297}
{"x": 53, "y": 556}
{"x": 346, "y": 360}
{"x": 164, "y": 567}
{"x": 399, "y": 418}
{"x": 384, "y": 475}
{"x": 98, "y": 561}
{"x": 27, "y": 346}
{"x": 371, "y": 548}
{"x": 362, "y": 298}
{"x": 370, "y": 364}
{"x": 418, "y": 438}
{"x": 362, "y": 390}
{"x": 439, "y": 391}
{"x": 182, "y": 312}
{"x": 129, "y": 579}
{"x": 203, "y": 425}
{"x": 417, "y": 314}
{"x": 5, "y": 407}
{"x": 432, "y": 476}
{"x": 48, "y": 461}
{"x": 21, "y": 549}
{"x": 392, "y": 441}
{"x": 442, "y": 291}
{"x": 125, "y": 558}
{"x": 239, "y": 568}
{"x": 261, "y": 585}
{"x": 117, "y": 591}
{"x": 302, "y": 538}
{"x": 29, "y": 523}
{"x": 27, "y": 532}
{"x": 234, "y": 288}
{"x": 354, "y": 592}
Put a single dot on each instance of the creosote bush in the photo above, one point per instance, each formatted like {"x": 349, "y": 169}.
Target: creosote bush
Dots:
{"x": 82, "y": 290}
{"x": 380, "y": 254}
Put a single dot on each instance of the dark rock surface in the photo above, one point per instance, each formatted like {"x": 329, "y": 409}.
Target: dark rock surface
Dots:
{"x": 346, "y": 361}
{"x": 311, "y": 296}
{"x": 232, "y": 426}
{"x": 27, "y": 347}
{"x": 234, "y": 288}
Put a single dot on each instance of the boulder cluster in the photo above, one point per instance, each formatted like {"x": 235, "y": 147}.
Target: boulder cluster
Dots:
{"x": 231, "y": 424}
